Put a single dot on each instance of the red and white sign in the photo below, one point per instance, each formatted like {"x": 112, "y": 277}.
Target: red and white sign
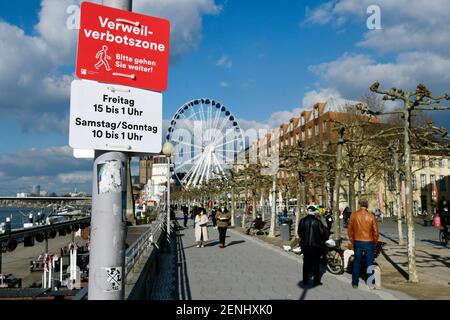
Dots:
{"x": 121, "y": 47}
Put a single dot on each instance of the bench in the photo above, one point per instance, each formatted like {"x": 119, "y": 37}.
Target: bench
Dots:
{"x": 257, "y": 230}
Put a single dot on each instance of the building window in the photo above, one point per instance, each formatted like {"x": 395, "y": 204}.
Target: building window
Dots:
{"x": 391, "y": 181}
{"x": 391, "y": 208}
{"x": 309, "y": 133}
{"x": 422, "y": 163}
{"x": 303, "y": 120}
{"x": 316, "y": 129}
{"x": 316, "y": 113}
{"x": 413, "y": 162}
{"x": 441, "y": 163}
{"x": 423, "y": 181}
{"x": 448, "y": 161}
{"x": 431, "y": 163}
{"x": 414, "y": 182}
{"x": 415, "y": 207}
{"x": 303, "y": 135}
{"x": 362, "y": 185}
{"x": 442, "y": 186}
{"x": 325, "y": 127}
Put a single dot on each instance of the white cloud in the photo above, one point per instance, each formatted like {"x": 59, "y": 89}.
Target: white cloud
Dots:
{"x": 312, "y": 97}
{"x": 352, "y": 74}
{"x": 223, "y": 84}
{"x": 407, "y": 24}
{"x": 185, "y": 18}
{"x": 55, "y": 169}
{"x": 280, "y": 117}
{"x": 81, "y": 177}
{"x": 225, "y": 62}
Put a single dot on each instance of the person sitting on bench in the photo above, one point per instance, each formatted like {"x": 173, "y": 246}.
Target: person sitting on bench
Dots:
{"x": 256, "y": 224}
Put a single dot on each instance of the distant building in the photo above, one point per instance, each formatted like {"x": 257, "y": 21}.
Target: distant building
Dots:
{"x": 44, "y": 194}
{"x": 145, "y": 169}
{"x": 23, "y": 195}
{"x": 36, "y": 191}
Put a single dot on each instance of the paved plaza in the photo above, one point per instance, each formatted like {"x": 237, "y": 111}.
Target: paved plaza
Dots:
{"x": 247, "y": 268}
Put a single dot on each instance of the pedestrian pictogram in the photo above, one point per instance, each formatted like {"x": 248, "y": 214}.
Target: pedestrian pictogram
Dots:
{"x": 103, "y": 58}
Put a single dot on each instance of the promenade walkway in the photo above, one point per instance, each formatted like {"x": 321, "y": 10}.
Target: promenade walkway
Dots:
{"x": 247, "y": 269}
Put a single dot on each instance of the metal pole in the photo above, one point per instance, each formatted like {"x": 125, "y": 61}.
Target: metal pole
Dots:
{"x": 168, "y": 202}
{"x": 108, "y": 226}
{"x": 108, "y": 218}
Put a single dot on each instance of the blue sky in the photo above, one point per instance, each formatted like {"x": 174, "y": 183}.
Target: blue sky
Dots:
{"x": 265, "y": 60}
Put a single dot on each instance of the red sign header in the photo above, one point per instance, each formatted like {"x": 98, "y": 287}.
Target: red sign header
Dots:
{"x": 121, "y": 47}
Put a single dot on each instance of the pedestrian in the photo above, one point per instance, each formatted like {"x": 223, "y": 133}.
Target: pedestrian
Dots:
{"x": 213, "y": 216}
{"x": 329, "y": 219}
{"x": 312, "y": 234}
{"x": 347, "y": 214}
{"x": 194, "y": 214}
{"x": 185, "y": 215}
{"x": 223, "y": 219}
{"x": 201, "y": 227}
{"x": 363, "y": 234}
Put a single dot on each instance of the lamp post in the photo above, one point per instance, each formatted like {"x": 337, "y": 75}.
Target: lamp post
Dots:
{"x": 168, "y": 150}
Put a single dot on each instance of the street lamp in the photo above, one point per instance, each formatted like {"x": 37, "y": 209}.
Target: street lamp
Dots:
{"x": 168, "y": 150}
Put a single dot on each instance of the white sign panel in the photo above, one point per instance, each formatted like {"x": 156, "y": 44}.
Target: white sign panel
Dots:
{"x": 115, "y": 118}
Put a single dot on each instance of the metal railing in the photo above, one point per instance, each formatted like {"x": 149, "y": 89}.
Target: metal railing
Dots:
{"x": 134, "y": 252}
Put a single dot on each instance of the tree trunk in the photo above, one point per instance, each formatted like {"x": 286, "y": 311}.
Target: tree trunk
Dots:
{"x": 232, "y": 207}
{"x": 299, "y": 208}
{"x": 398, "y": 198}
{"x": 351, "y": 191}
{"x": 336, "y": 191}
{"x": 412, "y": 270}
{"x": 273, "y": 211}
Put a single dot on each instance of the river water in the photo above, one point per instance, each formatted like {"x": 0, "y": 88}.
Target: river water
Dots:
{"x": 20, "y": 215}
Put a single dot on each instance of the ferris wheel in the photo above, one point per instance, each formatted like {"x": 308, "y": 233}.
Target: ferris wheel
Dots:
{"x": 206, "y": 138}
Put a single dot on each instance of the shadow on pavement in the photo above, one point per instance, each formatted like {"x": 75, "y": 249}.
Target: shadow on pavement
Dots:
{"x": 183, "y": 289}
{"x": 395, "y": 265}
{"x": 232, "y": 243}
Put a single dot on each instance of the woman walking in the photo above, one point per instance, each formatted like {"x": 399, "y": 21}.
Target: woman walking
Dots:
{"x": 201, "y": 227}
{"x": 223, "y": 220}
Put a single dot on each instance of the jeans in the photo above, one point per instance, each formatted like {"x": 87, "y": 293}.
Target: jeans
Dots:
{"x": 222, "y": 235}
{"x": 359, "y": 247}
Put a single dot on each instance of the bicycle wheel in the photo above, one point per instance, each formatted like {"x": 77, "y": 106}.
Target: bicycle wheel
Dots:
{"x": 335, "y": 262}
{"x": 442, "y": 238}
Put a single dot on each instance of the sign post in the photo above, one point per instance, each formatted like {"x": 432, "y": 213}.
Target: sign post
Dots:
{"x": 117, "y": 48}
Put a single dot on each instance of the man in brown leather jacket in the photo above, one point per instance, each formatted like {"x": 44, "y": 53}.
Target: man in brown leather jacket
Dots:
{"x": 363, "y": 233}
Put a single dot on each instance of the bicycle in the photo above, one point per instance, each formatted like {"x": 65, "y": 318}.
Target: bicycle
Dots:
{"x": 444, "y": 236}
{"x": 334, "y": 256}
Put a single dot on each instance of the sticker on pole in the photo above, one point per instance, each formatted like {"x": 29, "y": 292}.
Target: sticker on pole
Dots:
{"x": 122, "y": 47}
{"x": 115, "y": 118}
{"x": 114, "y": 279}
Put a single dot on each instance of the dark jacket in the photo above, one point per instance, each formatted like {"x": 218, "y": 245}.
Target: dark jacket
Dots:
{"x": 312, "y": 232}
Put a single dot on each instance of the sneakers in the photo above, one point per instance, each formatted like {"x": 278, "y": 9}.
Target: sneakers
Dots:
{"x": 203, "y": 245}
{"x": 198, "y": 246}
